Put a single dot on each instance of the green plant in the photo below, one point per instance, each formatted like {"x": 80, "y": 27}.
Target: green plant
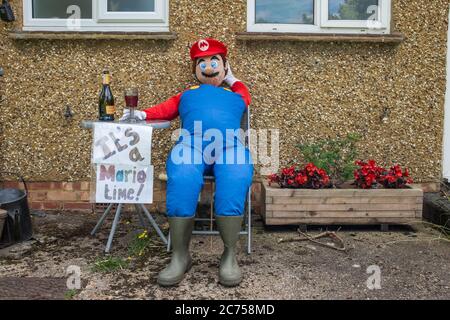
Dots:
{"x": 110, "y": 264}
{"x": 336, "y": 156}
{"x": 70, "y": 294}
{"x": 139, "y": 245}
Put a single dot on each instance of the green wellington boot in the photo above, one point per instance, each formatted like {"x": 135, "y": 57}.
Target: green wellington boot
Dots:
{"x": 229, "y": 273}
{"x": 181, "y": 261}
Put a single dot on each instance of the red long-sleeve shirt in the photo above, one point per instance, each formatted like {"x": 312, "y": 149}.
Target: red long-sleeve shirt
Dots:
{"x": 168, "y": 110}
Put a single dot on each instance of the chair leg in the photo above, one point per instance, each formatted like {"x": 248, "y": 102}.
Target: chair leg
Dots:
{"x": 249, "y": 222}
{"x": 153, "y": 223}
{"x": 102, "y": 219}
{"x": 211, "y": 214}
{"x": 113, "y": 228}
{"x": 140, "y": 216}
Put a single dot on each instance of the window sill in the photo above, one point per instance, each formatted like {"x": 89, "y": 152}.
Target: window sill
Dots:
{"x": 69, "y": 35}
{"x": 393, "y": 38}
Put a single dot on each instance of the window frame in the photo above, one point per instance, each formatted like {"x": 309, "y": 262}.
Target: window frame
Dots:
{"x": 321, "y": 22}
{"x": 252, "y": 26}
{"x": 105, "y": 16}
{"x": 128, "y": 22}
{"x": 382, "y": 21}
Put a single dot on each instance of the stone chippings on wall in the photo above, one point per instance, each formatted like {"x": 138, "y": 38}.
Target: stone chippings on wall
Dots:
{"x": 307, "y": 90}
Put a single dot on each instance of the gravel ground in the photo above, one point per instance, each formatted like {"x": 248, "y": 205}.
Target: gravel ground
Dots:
{"x": 413, "y": 264}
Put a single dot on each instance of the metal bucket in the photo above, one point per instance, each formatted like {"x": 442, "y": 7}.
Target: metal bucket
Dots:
{"x": 18, "y": 220}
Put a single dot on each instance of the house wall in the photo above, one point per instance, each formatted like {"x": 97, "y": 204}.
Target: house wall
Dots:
{"x": 307, "y": 90}
{"x": 446, "y": 140}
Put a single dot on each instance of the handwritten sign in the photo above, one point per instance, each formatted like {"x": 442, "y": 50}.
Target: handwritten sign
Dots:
{"x": 121, "y": 155}
{"x": 122, "y": 144}
{"x": 118, "y": 183}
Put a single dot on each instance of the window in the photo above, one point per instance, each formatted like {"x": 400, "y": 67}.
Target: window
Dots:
{"x": 319, "y": 16}
{"x": 96, "y": 15}
{"x": 126, "y": 10}
{"x": 50, "y": 9}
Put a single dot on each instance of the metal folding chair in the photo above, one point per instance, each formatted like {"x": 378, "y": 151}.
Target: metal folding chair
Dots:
{"x": 245, "y": 126}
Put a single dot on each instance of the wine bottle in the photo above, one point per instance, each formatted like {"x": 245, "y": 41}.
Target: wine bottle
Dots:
{"x": 106, "y": 106}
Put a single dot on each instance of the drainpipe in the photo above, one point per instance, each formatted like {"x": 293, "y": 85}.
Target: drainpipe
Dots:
{"x": 1, "y": 75}
{"x": 446, "y": 141}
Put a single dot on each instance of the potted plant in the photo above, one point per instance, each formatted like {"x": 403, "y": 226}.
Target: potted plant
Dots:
{"x": 318, "y": 193}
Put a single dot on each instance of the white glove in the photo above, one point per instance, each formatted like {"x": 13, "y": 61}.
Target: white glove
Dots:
{"x": 230, "y": 79}
{"x": 139, "y": 115}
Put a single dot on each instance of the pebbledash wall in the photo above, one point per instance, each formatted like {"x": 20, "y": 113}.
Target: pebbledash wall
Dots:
{"x": 307, "y": 90}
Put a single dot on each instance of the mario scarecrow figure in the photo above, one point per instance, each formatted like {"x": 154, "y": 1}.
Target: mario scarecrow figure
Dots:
{"x": 203, "y": 109}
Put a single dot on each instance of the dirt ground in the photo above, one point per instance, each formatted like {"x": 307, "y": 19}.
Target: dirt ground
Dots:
{"x": 413, "y": 264}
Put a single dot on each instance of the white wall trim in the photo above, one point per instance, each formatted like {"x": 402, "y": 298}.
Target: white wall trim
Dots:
{"x": 446, "y": 141}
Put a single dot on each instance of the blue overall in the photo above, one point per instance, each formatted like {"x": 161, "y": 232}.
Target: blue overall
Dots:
{"x": 206, "y": 147}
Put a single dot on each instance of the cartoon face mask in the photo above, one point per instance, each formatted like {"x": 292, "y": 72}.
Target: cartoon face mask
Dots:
{"x": 210, "y": 70}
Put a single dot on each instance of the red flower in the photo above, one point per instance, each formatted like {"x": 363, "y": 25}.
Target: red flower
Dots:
{"x": 273, "y": 179}
{"x": 289, "y": 171}
{"x": 309, "y": 177}
{"x": 406, "y": 172}
{"x": 311, "y": 169}
{"x": 301, "y": 179}
{"x": 369, "y": 175}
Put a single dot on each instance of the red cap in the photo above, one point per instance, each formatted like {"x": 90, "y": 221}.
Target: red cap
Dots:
{"x": 207, "y": 47}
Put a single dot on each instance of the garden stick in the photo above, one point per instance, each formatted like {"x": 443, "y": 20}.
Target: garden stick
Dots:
{"x": 313, "y": 239}
{"x": 329, "y": 234}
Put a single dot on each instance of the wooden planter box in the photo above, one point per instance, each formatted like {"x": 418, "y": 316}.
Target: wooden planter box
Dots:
{"x": 340, "y": 206}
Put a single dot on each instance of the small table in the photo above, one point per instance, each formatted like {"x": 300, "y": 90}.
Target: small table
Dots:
{"x": 156, "y": 124}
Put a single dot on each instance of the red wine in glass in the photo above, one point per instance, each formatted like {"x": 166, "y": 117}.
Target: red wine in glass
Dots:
{"x": 131, "y": 101}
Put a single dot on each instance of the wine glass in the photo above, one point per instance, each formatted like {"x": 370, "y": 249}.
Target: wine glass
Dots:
{"x": 131, "y": 101}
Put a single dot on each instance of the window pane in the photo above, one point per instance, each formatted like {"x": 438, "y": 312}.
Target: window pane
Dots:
{"x": 285, "y": 11}
{"x": 51, "y": 9}
{"x": 131, "y": 5}
{"x": 351, "y": 9}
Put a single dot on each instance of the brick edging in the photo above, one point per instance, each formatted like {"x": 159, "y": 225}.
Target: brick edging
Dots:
{"x": 76, "y": 196}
